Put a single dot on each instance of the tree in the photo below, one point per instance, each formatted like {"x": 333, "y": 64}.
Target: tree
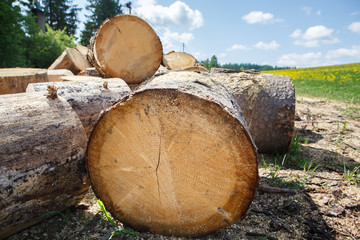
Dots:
{"x": 100, "y": 10}
{"x": 12, "y": 52}
{"x": 214, "y": 62}
{"x": 61, "y": 14}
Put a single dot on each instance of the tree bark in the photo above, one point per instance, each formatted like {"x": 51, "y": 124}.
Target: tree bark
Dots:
{"x": 15, "y": 80}
{"x": 42, "y": 165}
{"x": 88, "y": 98}
{"x": 268, "y": 103}
{"x": 174, "y": 158}
{"x": 125, "y": 47}
{"x": 178, "y": 61}
{"x": 72, "y": 60}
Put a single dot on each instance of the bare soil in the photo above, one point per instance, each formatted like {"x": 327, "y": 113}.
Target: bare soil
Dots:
{"x": 306, "y": 204}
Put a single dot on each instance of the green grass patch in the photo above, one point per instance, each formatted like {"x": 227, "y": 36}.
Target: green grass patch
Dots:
{"x": 340, "y": 82}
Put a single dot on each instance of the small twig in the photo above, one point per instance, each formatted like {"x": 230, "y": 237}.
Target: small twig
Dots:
{"x": 267, "y": 189}
{"x": 105, "y": 85}
{"x": 52, "y": 92}
{"x": 280, "y": 225}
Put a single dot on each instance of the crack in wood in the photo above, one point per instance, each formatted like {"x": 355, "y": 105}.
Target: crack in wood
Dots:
{"x": 156, "y": 169}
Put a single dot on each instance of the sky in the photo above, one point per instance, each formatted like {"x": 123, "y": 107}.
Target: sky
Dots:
{"x": 294, "y": 33}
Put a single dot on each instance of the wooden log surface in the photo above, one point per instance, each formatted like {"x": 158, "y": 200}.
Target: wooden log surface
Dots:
{"x": 268, "y": 103}
{"x": 56, "y": 74}
{"x": 178, "y": 61}
{"x": 15, "y": 80}
{"x": 42, "y": 165}
{"x": 174, "y": 158}
{"x": 72, "y": 60}
{"x": 88, "y": 98}
{"x": 125, "y": 47}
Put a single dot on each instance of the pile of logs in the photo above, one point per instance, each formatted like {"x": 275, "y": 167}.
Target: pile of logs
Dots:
{"x": 176, "y": 155}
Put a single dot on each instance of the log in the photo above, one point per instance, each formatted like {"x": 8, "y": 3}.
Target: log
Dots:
{"x": 88, "y": 98}
{"x": 54, "y": 75}
{"x": 178, "y": 61}
{"x": 82, "y": 50}
{"x": 175, "y": 158}
{"x": 15, "y": 80}
{"x": 125, "y": 47}
{"x": 72, "y": 60}
{"x": 268, "y": 103}
{"x": 90, "y": 72}
{"x": 42, "y": 163}
{"x": 80, "y": 78}
{"x": 196, "y": 69}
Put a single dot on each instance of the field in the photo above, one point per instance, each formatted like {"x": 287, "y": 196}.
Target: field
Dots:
{"x": 338, "y": 82}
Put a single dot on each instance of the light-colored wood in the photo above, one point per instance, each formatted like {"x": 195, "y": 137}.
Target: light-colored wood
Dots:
{"x": 42, "y": 165}
{"x": 54, "y": 75}
{"x": 126, "y": 47}
{"x": 268, "y": 103}
{"x": 88, "y": 97}
{"x": 72, "y": 60}
{"x": 91, "y": 72}
{"x": 174, "y": 158}
{"x": 15, "y": 80}
{"x": 196, "y": 69}
{"x": 178, "y": 61}
{"x": 78, "y": 78}
{"x": 82, "y": 50}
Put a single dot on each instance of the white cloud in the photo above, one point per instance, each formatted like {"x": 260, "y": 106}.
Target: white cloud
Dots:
{"x": 355, "y": 27}
{"x": 260, "y": 17}
{"x": 314, "y": 36}
{"x": 318, "y": 12}
{"x": 172, "y": 41}
{"x": 307, "y": 10}
{"x": 177, "y": 14}
{"x": 237, "y": 47}
{"x": 354, "y": 51}
{"x": 300, "y": 60}
{"x": 273, "y": 45}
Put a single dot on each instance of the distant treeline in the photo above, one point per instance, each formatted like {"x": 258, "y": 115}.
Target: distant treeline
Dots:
{"x": 213, "y": 63}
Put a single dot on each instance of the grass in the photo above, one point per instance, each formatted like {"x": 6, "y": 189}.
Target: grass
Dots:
{"x": 339, "y": 82}
{"x": 353, "y": 176}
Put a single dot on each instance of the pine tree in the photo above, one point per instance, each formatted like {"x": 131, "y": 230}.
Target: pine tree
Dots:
{"x": 100, "y": 10}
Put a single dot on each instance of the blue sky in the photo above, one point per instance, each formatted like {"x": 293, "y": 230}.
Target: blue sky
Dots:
{"x": 301, "y": 33}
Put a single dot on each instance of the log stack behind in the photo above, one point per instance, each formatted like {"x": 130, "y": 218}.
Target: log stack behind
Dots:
{"x": 174, "y": 158}
{"x": 42, "y": 165}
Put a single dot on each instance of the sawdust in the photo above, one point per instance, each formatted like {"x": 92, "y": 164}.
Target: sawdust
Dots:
{"x": 325, "y": 205}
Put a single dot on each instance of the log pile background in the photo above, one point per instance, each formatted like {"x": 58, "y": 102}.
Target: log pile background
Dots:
{"x": 40, "y": 146}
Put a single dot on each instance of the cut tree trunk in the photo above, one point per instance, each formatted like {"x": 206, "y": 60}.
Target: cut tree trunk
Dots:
{"x": 196, "y": 69}
{"x": 15, "y": 80}
{"x": 178, "y": 61}
{"x": 268, "y": 103}
{"x": 81, "y": 78}
{"x": 72, "y": 60}
{"x": 82, "y": 50}
{"x": 88, "y": 98}
{"x": 90, "y": 72}
{"x": 42, "y": 163}
{"x": 125, "y": 47}
{"x": 55, "y": 75}
{"x": 175, "y": 158}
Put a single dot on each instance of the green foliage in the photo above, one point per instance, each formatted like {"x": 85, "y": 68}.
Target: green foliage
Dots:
{"x": 45, "y": 47}
{"x": 11, "y": 35}
{"x": 118, "y": 229}
{"x": 100, "y": 10}
{"x": 352, "y": 176}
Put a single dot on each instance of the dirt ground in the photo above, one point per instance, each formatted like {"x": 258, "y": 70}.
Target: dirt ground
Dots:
{"x": 291, "y": 203}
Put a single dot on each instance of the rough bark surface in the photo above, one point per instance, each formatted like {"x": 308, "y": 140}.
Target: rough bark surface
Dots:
{"x": 88, "y": 98}
{"x": 72, "y": 60}
{"x": 125, "y": 47}
{"x": 15, "y": 80}
{"x": 175, "y": 157}
{"x": 54, "y": 75}
{"x": 268, "y": 103}
{"x": 178, "y": 61}
{"x": 42, "y": 165}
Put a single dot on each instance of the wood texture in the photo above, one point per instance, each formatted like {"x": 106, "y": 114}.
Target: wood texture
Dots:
{"x": 42, "y": 165}
{"x": 126, "y": 47}
{"x": 174, "y": 158}
{"x": 268, "y": 103}
{"x": 197, "y": 69}
{"x": 15, "y": 80}
{"x": 72, "y": 60}
{"x": 54, "y": 75}
{"x": 88, "y": 97}
{"x": 178, "y": 61}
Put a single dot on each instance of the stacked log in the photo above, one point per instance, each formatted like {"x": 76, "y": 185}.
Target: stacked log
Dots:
{"x": 175, "y": 157}
{"x": 72, "y": 60}
{"x": 178, "y": 61}
{"x": 88, "y": 98}
{"x": 15, "y": 80}
{"x": 42, "y": 166}
{"x": 55, "y": 75}
{"x": 268, "y": 103}
{"x": 125, "y": 47}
